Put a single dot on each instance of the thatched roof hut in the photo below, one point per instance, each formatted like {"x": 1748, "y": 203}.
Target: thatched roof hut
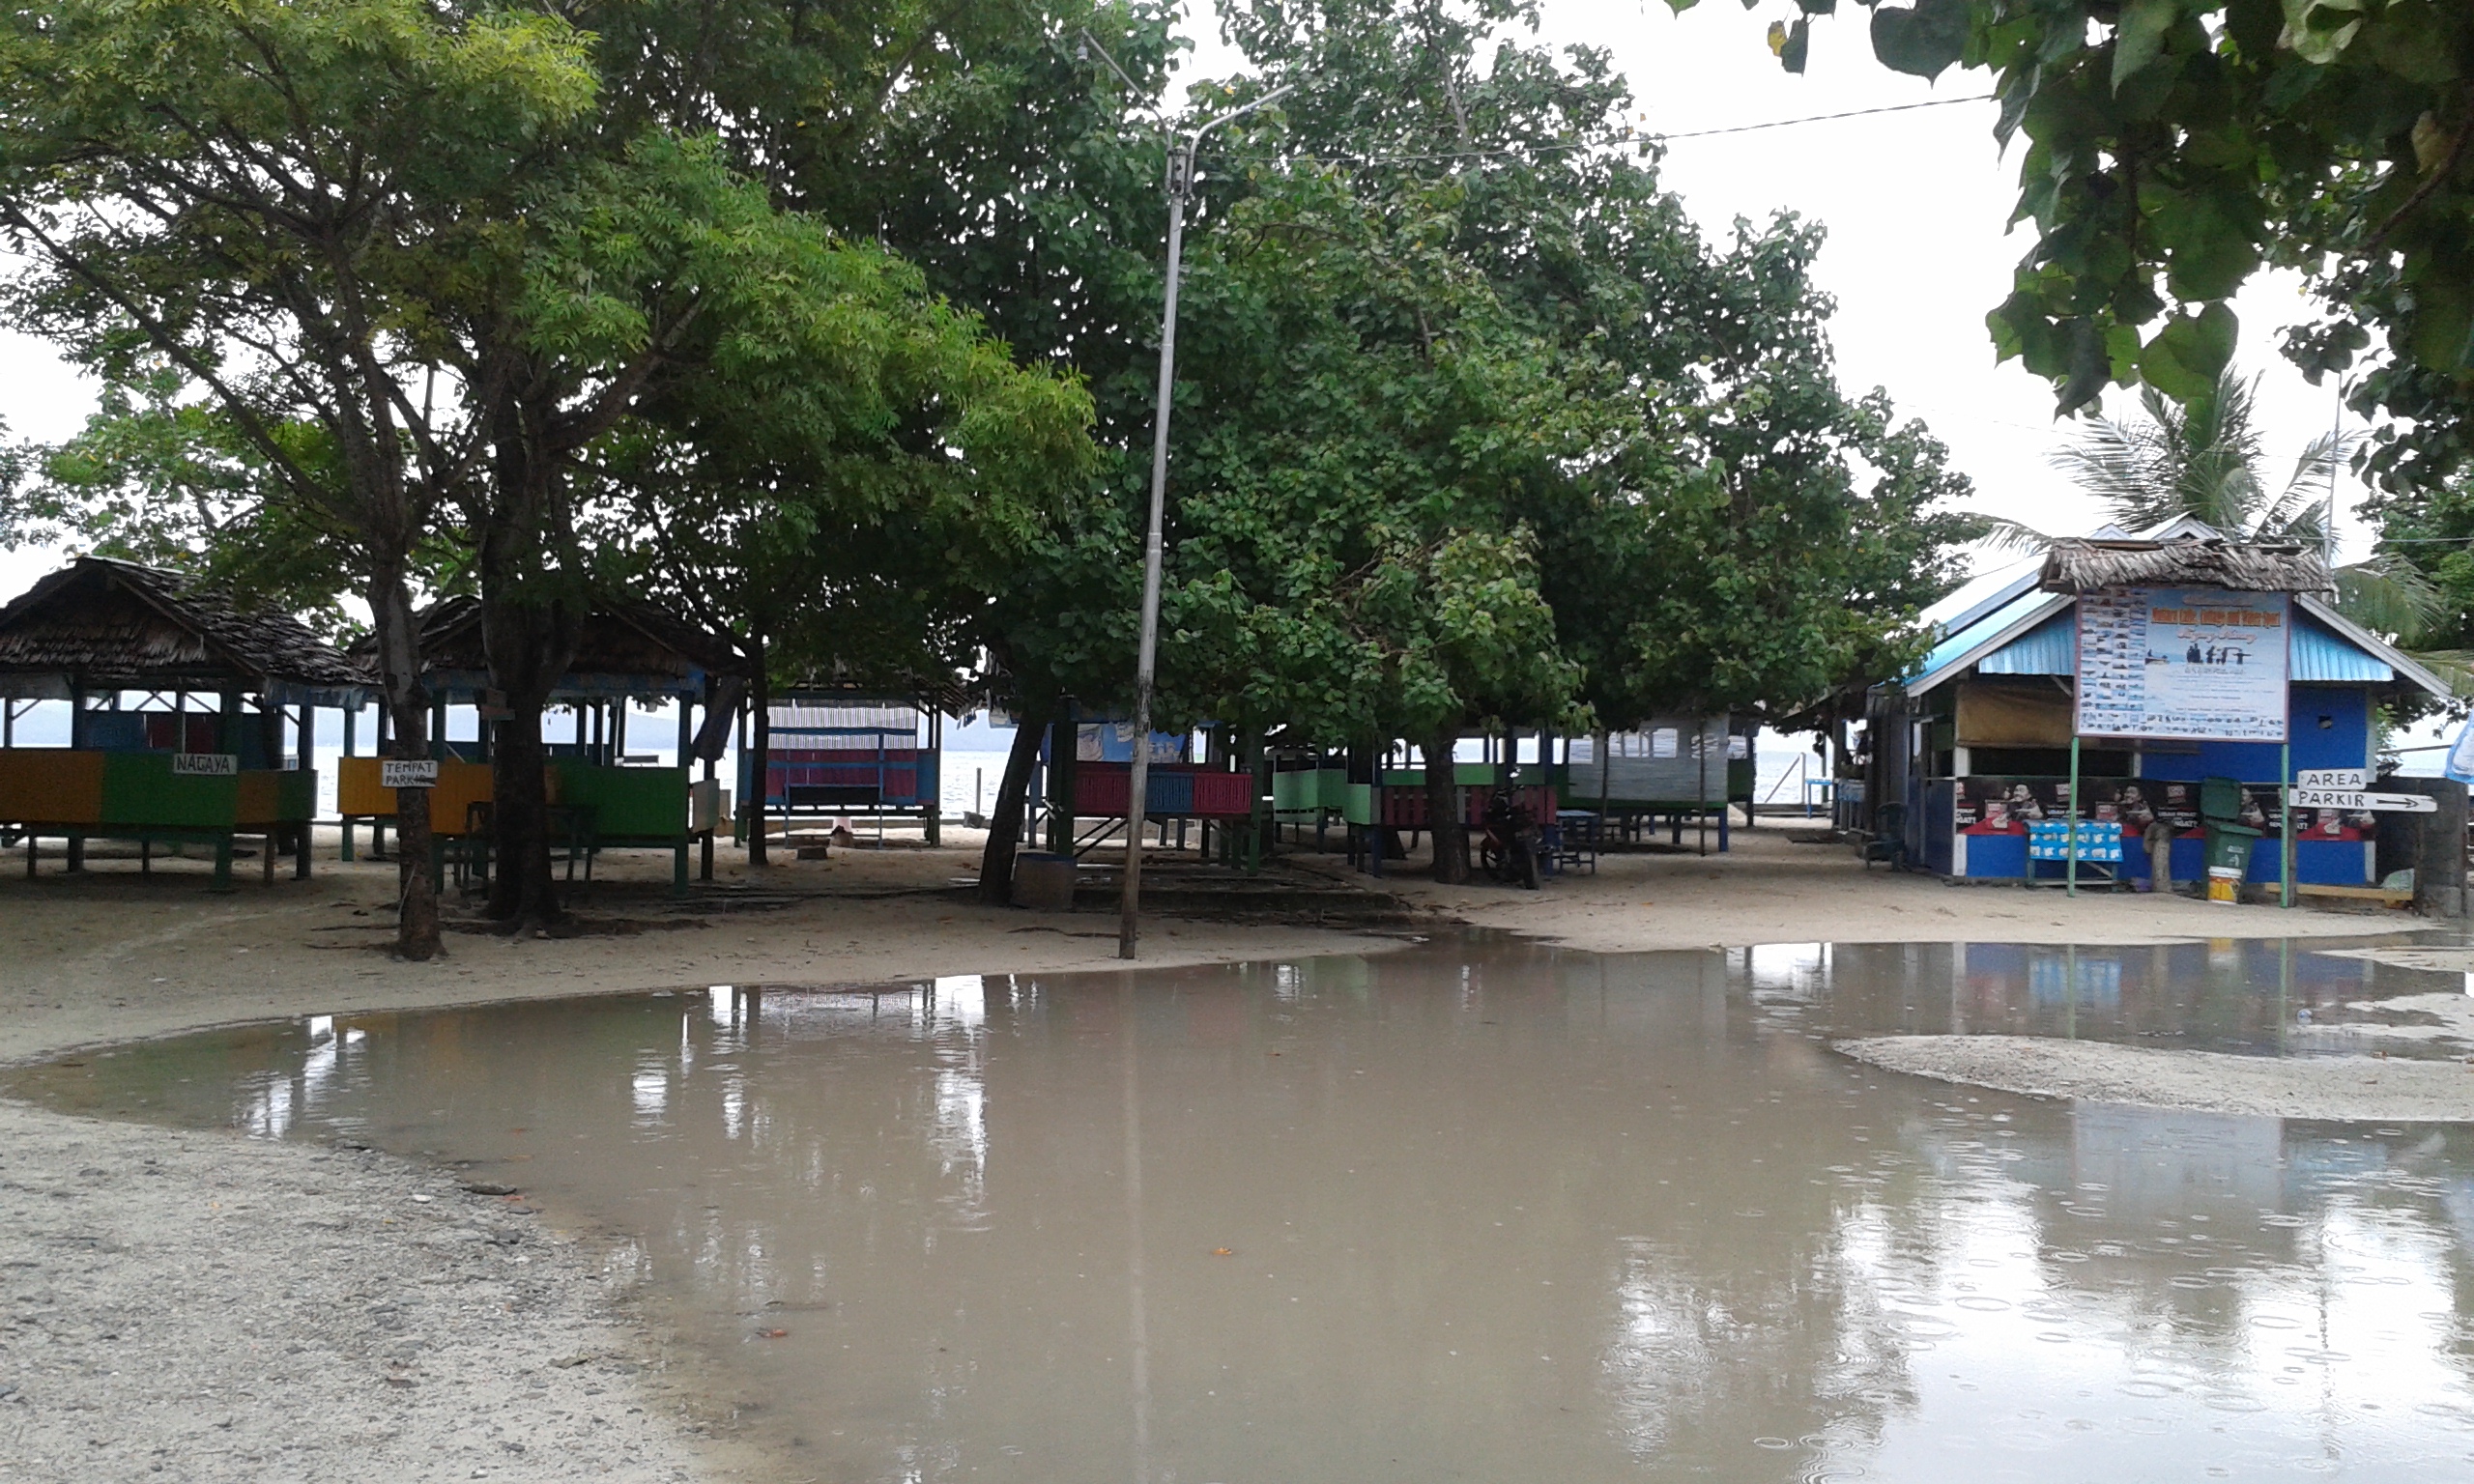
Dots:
{"x": 624, "y": 649}
{"x": 2093, "y": 565}
{"x": 101, "y": 624}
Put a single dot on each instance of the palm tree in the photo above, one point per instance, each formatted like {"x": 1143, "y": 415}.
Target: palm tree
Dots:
{"x": 2203, "y": 461}
{"x": 2207, "y": 461}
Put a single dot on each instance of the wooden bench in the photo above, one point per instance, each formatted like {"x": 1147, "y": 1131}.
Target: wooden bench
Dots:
{"x": 2387, "y": 896}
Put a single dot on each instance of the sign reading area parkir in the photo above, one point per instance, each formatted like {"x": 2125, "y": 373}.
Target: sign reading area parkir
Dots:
{"x": 2345, "y": 788}
{"x": 408, "y": 773}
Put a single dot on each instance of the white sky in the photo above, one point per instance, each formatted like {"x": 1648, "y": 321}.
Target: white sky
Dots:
{"x": 1915, "y": 205}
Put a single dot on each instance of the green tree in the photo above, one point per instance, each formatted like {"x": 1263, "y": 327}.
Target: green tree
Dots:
{"x": 1819, "y": 503}
{"x": 1351, "y": 565}
{"x": 854, "y": 537}
{"x": 2173, "y": 148}
{"x": 269, "y": 198}
{"x": 972, "y": 141}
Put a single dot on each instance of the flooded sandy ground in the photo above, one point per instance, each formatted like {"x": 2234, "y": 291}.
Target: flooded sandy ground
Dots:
{"x": 1479, "y": 1210}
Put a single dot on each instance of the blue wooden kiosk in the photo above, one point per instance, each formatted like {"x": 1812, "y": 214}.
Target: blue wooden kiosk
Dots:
{"x": 2026, "y": 712}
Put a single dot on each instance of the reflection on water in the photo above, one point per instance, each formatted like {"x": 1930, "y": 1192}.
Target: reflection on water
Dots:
{"x": 1493, "y": 1213}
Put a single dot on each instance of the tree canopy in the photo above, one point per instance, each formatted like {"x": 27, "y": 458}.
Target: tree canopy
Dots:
{"x": 2171, "y": 149}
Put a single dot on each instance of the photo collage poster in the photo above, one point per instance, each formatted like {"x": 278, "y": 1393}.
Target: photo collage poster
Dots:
{"x": 2196, "y": 664}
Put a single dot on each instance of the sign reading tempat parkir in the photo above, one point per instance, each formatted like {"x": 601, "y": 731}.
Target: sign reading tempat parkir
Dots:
{"x": 2197, "y": 664}
{"x": 408, "y": 773}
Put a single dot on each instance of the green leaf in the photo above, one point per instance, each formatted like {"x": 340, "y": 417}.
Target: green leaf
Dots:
{"x": 2139, "y": 38}
{"x": 2190, "y": 352}
{"x": 1791, "y": 55}
{"x": 2091, "y": 366}
{"x": 1923, "y": 41}
{"x": 2317, "y": 30}
{"x": 2212, "y": 266}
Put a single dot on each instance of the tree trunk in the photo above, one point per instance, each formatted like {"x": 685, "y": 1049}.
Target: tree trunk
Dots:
{"x": 760, "y": 747}
{"x": 522, "y": 888}
{"x": 1445, "y": 825}
{"x": 1013, "y": 800}
{"x": 532, "y": 616}
{"x": 407, "y": 703}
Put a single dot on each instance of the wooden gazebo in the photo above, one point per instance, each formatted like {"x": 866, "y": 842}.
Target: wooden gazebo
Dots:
{"x": 625, "y": 651}
{"x": 99, "y": 630}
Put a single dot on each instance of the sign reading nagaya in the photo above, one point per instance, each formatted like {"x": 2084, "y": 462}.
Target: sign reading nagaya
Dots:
{"x": 408, "y": 773}
{"x": 206, "y": 764}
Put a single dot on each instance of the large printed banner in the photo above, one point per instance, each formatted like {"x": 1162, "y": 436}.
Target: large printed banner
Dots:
{"x": 2193, "y": 662}
{"x": 2007, "y": 806}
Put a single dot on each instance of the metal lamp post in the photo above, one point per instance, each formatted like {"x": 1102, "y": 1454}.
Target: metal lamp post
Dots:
{"x": 1181, "y": 177}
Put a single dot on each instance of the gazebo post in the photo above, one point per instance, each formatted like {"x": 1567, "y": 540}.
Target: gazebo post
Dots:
{"x": 76, "y": 856}
{"x": 931, "y": 795}
{"x": 377, "y": 828}
{"x": 352, "y": 721}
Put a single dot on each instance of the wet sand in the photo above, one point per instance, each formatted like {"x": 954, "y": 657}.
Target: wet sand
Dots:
{"x": 200, "y": 1306}
{"x": 2332, "y": 1089}
{"x": 109, "y": 957}
{"x": 1771, "y": 889}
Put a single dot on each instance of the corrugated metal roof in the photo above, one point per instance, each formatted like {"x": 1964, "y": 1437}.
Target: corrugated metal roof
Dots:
{"x": 2321, "y": 655}
{"x": 808, "y": 715}
{"x": 2049, "y": 648}
{"x": 1962, "y": 646}
{"x": 2041, "y": 642}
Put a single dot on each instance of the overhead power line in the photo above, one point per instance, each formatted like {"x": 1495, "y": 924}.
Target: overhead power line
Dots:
{"x": 1629, "y": 136}
{"x": 1825, "y": 118}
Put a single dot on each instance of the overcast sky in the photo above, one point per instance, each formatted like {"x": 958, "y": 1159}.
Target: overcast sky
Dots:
{"x": 1915, "y": 202}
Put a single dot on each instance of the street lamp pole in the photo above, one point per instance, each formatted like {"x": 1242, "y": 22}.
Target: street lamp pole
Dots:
{"x": 1181, "y": 178}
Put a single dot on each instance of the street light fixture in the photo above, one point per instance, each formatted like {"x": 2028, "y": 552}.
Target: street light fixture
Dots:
{"x": 1181, "y": 180}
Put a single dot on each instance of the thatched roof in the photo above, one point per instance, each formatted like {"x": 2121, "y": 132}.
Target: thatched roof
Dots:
{"x": 2088, "y": 566}
{"x": 623, "y": 647}
{"x": 103, "y": 625}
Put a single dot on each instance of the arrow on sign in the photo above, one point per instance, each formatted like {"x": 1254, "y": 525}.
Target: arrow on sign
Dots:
{"x": 2359, "y": 802}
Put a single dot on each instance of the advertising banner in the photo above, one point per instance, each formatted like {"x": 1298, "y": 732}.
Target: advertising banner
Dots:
{"x": 2192, "y": 663}
{"x": 2007, "y": 806}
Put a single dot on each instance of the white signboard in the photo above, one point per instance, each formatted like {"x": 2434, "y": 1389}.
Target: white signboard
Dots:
{"x": 408, "y": 773}
{"x": 2193, "y": 662}
{"x": 2357, "y": 801}
{"x": 206, "y": 765}
{"x": 2331, "y": 778}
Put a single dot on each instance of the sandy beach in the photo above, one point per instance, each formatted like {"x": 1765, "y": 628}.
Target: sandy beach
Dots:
{"x": 195, "y": 1304}
{"x": 2335, "y": 1089}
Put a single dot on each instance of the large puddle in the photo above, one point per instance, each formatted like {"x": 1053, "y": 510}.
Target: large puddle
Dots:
{"x": 1481, "y": 1211}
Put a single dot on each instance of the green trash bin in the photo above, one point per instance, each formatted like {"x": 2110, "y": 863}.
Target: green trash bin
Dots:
{"x": 2228, "y": 842}
{"x": 2229, "y": 858}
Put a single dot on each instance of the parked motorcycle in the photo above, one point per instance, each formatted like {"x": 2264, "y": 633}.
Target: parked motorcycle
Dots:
{"x": 1512, "y": 848}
